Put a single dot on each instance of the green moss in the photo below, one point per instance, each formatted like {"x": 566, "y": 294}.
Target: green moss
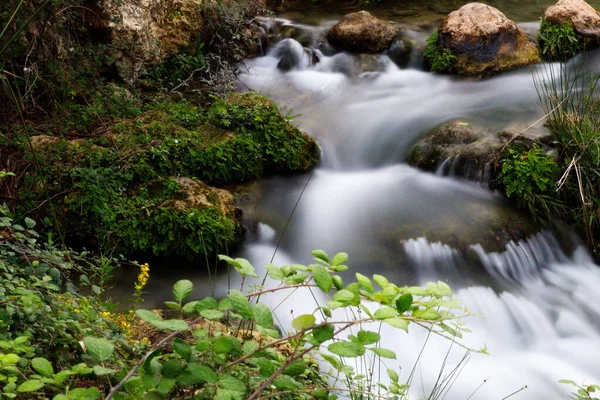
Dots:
{"x": 438, "y": 58}
{"x": 558, "y": 41}
{"x": 107, "y": 190}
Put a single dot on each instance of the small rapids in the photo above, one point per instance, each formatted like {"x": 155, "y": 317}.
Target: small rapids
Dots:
{"x": 539, "y": 317}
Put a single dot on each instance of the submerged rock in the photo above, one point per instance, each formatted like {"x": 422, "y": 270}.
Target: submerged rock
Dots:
{"x": 484, "y": 41}
{"x": 361, "y": 32}
{"x": 462, "y": 149}
{"x": 584, "y": 19}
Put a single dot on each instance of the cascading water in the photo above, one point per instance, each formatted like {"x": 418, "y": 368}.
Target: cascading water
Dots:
{"x": 540, "y": 320}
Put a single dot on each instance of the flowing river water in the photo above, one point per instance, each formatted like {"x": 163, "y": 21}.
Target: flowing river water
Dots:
{"x": 540, "y": 315}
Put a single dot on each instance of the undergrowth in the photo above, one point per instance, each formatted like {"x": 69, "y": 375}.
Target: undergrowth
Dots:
{"x": 558, "y": 42}
{"x": 61, "y": 341}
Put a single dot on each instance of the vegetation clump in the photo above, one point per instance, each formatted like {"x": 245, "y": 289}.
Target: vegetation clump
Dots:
{"x": 438, "y": 58}
{"x": 558, "y": 41}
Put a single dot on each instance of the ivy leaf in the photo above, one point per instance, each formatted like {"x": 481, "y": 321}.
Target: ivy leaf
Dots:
{"x": 323, "y": 333}
{"x": 368, "y": 337}
{"x": 322, "y": 278}
{"x": 304, "y": 322}
{"x": 385, "y": 353}
{"x": 347, "y": 349}
{"x": 182, "y": 290}
{"x": 263, "y": 315}
{"x": 404, "y": 302}
{"x": 42, "y": 367}
{"x": 99, "y": 349}
{"x": 241, "y": 304}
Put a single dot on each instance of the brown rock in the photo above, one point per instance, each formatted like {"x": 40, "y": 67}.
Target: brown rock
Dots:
{"x": 485, "y": 41}
{"x": 361, "y": 32}
{"x": 583, "y": 17}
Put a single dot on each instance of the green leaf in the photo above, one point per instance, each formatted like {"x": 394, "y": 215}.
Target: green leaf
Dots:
{"x": 427, "y": 315}
{"x": 226, "y": 344}
{"x": 250, "y": 346}
{"x": 171, "y": 369}
{"x": 147, "y": 316}
{"x": 266, "y": 367}
{"x": 30, "y": 386}
{"x": 385, "y": 353}
{"x": 347, "y": 349}
{"x": 381, "y": 280}
{"x": 202, "y": 373}
{"x": 365, "y": 282}
{"x": 393, "y": 375}
{"x": 182, "y": 348}
{"x": 190, "y": 307}
{"x": 339, "y": 259}
{"x": 283, "y": 382}
{"x": 322, "y": 278}
{"x": 323, "y": 333}
{"x": 246, "y": 269}
{"x": 99, "y": 349}
{"x": 304, "y": 322}
{"x": 295, "y": 368}
{"x": 84, "y": 394}
{"x": 368, "y": 337}
{"x": 172, "y": 325}
{"x": 385, "y": 313}
{"x": 182, "y": 290}
{"x": 274, "y": 272}
{"x": 404, "y": 302}
{"x": 296, "y": 279}
{"x": 172, "y": 305}
{"x": 416, "y": 291}
{"x": 241, "y": 304}
{"x": 29, "y": 223}
{"x": 321, "y": 255}
{"x": 42, "y": 367}
{"x": 230, "y": 388}
{"x": 100, "y": 370}
{"x": 206, "y": 304}
{"x": 263, "y": 315}
{"x": 212, "y": 315}
{"x": 399, "y": 323}
{"x": 338, "y": 282}
{"x": 343, "y": 296}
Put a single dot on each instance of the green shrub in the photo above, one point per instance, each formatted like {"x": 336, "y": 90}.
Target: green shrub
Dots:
{"x": 558, "y": 41}
{"x": 529, "y": 176}
{"x": 438, "y": 58}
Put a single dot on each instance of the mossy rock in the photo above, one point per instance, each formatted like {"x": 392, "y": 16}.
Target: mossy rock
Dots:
{"x": 111, "y": 190}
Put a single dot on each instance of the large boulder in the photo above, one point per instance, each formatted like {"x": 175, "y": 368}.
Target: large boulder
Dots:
{"x": 361, "y": 32}
{"x": 484, "y": 41}
{"x": 584, "y": 19}
{"x": 469, "y": 151}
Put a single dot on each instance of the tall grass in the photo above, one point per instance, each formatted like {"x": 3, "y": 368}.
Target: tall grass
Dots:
{"x": 569, "y": 95}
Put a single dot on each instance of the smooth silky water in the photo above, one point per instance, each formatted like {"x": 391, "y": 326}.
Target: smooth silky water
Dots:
{"x": 540, "y": 318}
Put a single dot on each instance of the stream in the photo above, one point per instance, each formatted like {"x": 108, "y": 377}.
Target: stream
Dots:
{"x": 539, "y": 314}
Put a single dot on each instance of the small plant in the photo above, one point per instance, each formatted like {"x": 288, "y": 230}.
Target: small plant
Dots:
{"x": 438, "y": 58}
{"x": 584, "y": 392}
{"x": 558, "y": 41}
{"x": 529, "y": 176}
